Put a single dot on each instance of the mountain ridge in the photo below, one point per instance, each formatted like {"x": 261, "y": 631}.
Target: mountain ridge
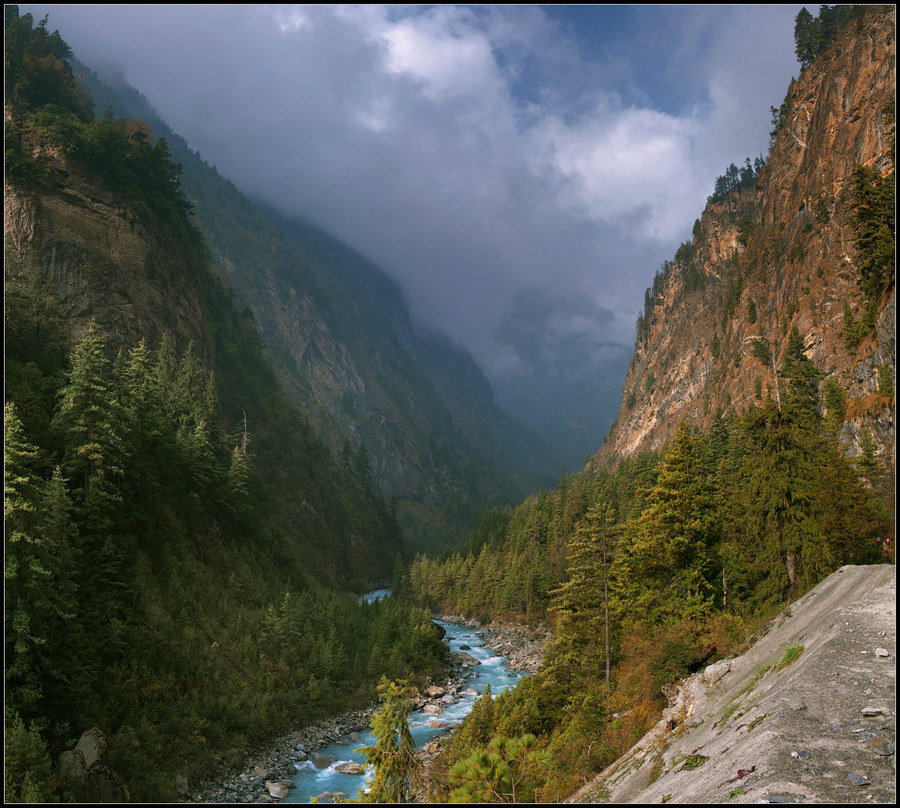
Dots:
{"x": 338, "y": 332}
{"x": 773, "y": 257}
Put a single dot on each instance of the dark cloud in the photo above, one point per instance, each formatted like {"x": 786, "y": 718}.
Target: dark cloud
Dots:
{"x": 512, "y": 169}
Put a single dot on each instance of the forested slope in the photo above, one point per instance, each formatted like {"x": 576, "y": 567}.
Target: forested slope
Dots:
{"x": 175, "y": 531}
{"x": 408, "y": 404}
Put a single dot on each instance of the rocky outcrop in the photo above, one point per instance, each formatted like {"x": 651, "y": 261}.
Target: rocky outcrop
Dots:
{"x": 807, "y": 714}
{"x": 103, "y": 262}
{"x": 86, "y": 772}
{"x": 780, "y": 255}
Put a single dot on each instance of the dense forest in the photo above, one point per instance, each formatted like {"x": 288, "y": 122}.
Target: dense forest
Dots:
{"x": 161, "y": 582}
{"x": 646, "y": 573}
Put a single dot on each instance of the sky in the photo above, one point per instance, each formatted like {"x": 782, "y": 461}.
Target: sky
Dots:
{"x": 522, "y": 171}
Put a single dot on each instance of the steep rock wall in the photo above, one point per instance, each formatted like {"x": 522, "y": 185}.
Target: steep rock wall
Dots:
{"x": 778, "y": 256}
{"x": 102, "y": 262}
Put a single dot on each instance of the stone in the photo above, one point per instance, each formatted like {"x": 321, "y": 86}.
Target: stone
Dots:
{"x": 350, "y": 768}
{"x": 858, "y": 779}
{"x": 434, "y": 691}
{"x": 85, "y": 771}
{"x": 882, "y": 652}
{"x": 279, "y": 790}
{"x": 320, "y": 761}
{"x": 432, "y": 709}
{"x": 182, "y": 786}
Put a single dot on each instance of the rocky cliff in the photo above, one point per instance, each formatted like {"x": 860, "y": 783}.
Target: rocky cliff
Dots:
{"x": 102, "y": 262}
{"x": 781, "y": 254}
{"x": 807, "y": 714}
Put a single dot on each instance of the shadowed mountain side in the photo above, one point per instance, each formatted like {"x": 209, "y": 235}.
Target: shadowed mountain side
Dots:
{"x": 338, "y": 332}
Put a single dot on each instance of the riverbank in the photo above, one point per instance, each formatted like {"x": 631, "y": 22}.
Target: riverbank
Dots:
{"x": 522, "y": 645}
{"x": 243, "y": 776}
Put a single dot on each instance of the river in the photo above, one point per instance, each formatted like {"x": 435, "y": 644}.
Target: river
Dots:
{"x": 312, "y": 782}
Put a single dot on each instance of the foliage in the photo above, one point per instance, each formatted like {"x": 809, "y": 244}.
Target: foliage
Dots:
{"x": 509, "y": 770}
{"x": 703, "y": 542}
{"x": 27, "y": 771}
{"x": 128, "y": 545}
{"x": 874, "y": 230}
{"x": 398, "y": 770}
{"x": 780, "y": 113}
{"x": 663, "y": 567}
{"x": 735, "y": 179}
{"x": 791, "y": 654}
{"x": 166, "y": 564}
{"x": 814, "y": 35}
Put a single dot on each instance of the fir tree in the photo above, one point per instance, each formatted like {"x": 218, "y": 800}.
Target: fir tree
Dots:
{"x": 397, "y": 766}
{"x": 665, "y": 560}
{"x": 580, "y": 652}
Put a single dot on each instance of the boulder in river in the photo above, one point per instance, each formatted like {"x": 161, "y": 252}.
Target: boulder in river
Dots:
{"x": 432, "y": 709}
{"x": 350, "y": 768}
{"x": 320, "y": 761}
{"x": 435, "y": 691}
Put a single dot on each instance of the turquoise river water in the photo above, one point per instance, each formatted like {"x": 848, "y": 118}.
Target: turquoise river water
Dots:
{"x": 311, "y": 782}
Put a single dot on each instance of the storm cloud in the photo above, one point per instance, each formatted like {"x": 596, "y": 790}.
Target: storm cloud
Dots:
{"x": 515, "y": 168}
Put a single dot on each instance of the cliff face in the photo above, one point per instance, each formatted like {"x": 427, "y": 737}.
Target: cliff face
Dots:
{"x": 774, "y": 257}
{"x": 102, "y": 262}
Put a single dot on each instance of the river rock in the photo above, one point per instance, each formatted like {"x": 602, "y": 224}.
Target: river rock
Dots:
{"x": 432, "y": 709}
{"x": 350, "y": 768}
{"x": 466, "y": 659}
{"x": 278, "y": 788}
{"x": 434, "y": 691}
{"x": 320, "y": 761}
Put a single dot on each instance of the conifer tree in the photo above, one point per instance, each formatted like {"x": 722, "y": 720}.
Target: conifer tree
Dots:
{"x": 787, "y": 551}
{"x": 580, "y": 651}
{"x": 38, "y": 566}
{"x": 665, "y": 563}
{"x": 398, "y": 772}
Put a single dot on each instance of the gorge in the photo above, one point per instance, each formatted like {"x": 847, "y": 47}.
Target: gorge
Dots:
{"x": 222, "y": 424}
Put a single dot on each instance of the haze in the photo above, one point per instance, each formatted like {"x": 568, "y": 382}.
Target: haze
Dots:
{"x": 522, "y": 171}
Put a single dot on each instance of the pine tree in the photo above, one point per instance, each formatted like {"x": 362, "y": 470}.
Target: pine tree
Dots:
{"x": 398, "y": 770}
{"x": 39, "y": 566}
{"x": 580, "y": 652}
{"x": 665, "y": 564}
{"x": 786, "y": 552}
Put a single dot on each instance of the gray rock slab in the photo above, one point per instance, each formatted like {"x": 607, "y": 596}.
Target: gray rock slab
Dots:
{"x": 759, "y": 718}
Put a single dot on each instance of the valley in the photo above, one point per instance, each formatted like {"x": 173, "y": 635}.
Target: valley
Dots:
{"x": 223, "y": 424}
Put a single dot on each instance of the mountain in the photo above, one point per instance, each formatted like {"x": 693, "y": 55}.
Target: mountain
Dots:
{"x": 781, "y": 253}
{"x": 180, "y": 546}
{"x": 338, "y": 332}
{"x": 753, "y": 457}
